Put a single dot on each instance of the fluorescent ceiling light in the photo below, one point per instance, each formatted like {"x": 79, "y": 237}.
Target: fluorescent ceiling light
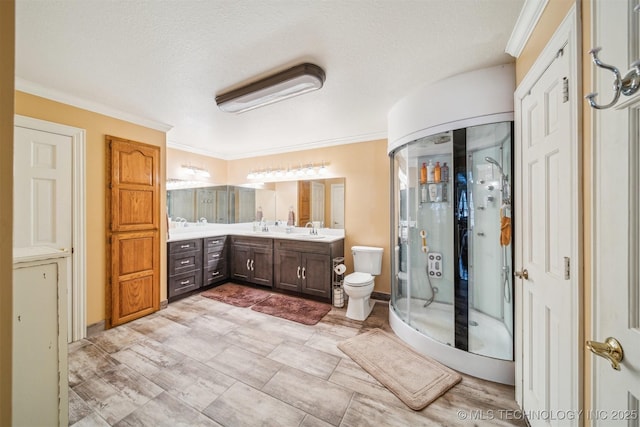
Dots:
{"x": 291, "y": 82}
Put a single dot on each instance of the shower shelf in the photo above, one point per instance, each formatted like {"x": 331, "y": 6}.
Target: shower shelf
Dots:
{"x": 424, "y": 194}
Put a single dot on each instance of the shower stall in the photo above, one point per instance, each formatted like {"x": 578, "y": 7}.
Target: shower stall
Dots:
{"x": 452, "y": 287}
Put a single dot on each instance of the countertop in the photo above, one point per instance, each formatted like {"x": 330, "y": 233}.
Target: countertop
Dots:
{"x": 275, "y": 232}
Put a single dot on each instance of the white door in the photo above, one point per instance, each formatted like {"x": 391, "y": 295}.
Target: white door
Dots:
{"x": 337, "y": 205}
{"x": 317, "y": 201}
{"x": 42, "y": 189}
{"x": 49, "y": 202}
{"x": 616, "y": 212}
{"x": 546, "y": 237}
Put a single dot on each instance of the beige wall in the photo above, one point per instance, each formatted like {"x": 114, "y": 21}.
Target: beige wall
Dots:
{"x": 552, "y": 16}
{"x": 216, "y": 167}
{"x": 365, "y": 167}
{"x": 7, "y": 53}
{"x": 97, "y": 126}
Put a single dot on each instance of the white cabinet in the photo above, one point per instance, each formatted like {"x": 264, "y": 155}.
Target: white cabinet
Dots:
{"x": 40, "y": 395}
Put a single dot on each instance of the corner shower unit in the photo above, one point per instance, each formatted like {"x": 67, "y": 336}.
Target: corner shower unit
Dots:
{"x": 452, "y": 287}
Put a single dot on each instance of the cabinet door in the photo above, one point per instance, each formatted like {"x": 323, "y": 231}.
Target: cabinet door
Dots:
{"x": 316, "y": 275}
{"x": 288, "y": 270}
{"x": 240, "y": 262}
{"x": 36, "y": 371}
{"x": 262, "y": 266}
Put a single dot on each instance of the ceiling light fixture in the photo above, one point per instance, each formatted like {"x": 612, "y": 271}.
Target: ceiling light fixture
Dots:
{"x": 291, "y": 82}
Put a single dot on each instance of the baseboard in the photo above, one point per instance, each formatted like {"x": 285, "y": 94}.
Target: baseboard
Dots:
{"x": 95, "y": 328}
{"x": 380, "y": 296}
{"x": 164, "y": 304}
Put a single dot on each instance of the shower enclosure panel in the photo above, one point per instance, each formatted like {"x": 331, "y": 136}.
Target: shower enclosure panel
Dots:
{"x": 453, "y": 275}
{"x": 452, "y": 291}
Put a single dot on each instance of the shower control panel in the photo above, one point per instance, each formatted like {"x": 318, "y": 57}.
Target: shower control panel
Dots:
{"x": 434, "y": 265}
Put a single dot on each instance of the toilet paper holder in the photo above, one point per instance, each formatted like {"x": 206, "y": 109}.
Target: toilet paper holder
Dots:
{"x": 338, "y": 269}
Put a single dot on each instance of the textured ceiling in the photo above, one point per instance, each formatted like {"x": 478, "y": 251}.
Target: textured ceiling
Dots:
{"x": 165, "y": 60}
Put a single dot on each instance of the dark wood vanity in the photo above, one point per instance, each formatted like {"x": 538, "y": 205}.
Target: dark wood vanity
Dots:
{"x": 295, "y": 266}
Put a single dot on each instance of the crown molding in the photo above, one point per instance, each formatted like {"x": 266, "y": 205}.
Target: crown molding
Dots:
{"x": 527, "y": 21}
{"x": 32, "y": 88}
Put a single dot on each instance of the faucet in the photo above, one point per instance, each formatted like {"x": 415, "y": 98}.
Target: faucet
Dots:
{"x": 313, "y": 229}
{"x": 203, "y": 220}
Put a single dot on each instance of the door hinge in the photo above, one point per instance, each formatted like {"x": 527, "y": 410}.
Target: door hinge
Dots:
{"x": 565, "y": 90}
{"x": 567, "y": 268}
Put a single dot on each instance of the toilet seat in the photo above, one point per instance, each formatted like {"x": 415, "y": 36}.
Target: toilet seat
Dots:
{"x": 358, "y": 279}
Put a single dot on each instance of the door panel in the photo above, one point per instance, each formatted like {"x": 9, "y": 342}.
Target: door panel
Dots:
{"x": 616, "y": 231}
{"x": 240, "y": 262}
{"x": 262, "y": 266}
{"x": 287, "y": 270}
{"x": 135, "y": 291}
{"x": 547, "y": 307}
{"x": 134, "y": 185}
{"x": 133, "y": 256}
{"x": 304, "y": 203}
{"x": 42, "y": 206}
{"x": 317, "y": 275}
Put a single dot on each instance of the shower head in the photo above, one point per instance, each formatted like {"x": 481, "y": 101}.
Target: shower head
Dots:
{"x": 494, "y": 162}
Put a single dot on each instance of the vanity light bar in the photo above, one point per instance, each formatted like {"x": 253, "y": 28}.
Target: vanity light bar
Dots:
{"x": 308, "y": 169}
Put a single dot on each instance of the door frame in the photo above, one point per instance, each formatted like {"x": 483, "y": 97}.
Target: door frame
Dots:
{"x": 567, "y": 37}
{"x": 78, "y": 273}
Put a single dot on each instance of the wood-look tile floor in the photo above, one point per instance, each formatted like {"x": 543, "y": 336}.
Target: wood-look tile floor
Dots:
{"x": 205, "y": 363}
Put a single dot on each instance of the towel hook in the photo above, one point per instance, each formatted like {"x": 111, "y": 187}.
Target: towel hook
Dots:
{"x": 627, "y": 85}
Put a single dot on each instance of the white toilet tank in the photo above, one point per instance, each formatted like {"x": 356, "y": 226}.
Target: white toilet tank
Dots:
{"x": 367, "y": 259}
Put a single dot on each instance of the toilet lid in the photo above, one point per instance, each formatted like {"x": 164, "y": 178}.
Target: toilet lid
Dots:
{"x": 358, "y": 279}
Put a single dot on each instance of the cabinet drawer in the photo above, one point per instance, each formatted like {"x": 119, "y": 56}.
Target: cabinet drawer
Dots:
{"x": 296, "y": 245}
{"x": 184, "y": 262}
{"x": 263, "y": 242}
{"x": 213, "y": 244}
{"x": 214, "y": 259}
{"x": 184, "y": 283}
{"x": 213, "y": 275}
{"x": 185, "y": 246}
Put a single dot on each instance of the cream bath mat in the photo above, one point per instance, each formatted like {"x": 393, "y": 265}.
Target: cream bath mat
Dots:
{"x": 414, "y": 378}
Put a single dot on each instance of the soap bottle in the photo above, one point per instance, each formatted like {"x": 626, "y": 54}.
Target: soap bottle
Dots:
{"x": 444, "y": 172}
{"x": 423, "y": 174}
{"x": 430, "y": 172}
{"x": 436, "y": 172}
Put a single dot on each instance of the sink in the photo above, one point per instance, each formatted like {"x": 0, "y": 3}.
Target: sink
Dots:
{"x": 308, "y": 236}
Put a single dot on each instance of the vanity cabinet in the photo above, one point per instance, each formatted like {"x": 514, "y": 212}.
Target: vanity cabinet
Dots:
{"x": 252, "y": 260}
{"x": 184, "y": 267}
{"x": 215, "y": 260}
{"x": 305, "y": 267}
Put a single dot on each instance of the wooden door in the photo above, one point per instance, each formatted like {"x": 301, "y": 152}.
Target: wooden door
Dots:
{"x": 547, "y": 284}
{"x": 133, "y": 206}
{"x": 616, "y": 232}
{"x": 304, "y": 203}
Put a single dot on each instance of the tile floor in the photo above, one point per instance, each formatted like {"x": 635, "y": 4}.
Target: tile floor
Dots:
{"x": 205, "y": 363}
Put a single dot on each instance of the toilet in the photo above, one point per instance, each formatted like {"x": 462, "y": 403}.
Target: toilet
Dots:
{"x": 367, "y": 262}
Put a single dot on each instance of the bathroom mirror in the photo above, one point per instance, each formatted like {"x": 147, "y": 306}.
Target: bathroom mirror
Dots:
{"x": 309, "y": 200}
